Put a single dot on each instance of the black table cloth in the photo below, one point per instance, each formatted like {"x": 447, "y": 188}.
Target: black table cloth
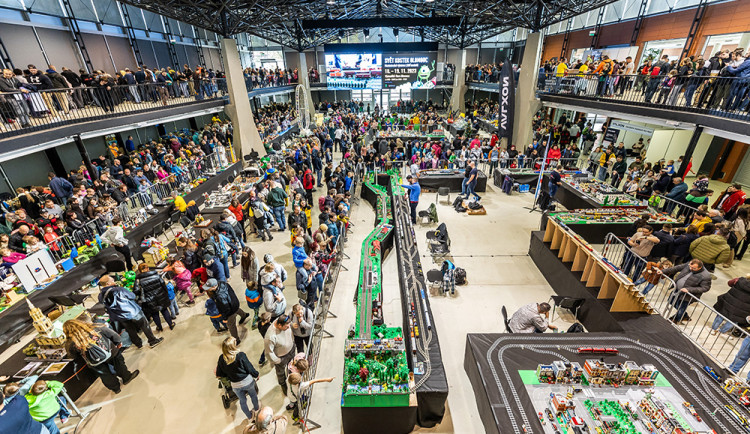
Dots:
{"x": 451, "y": 180}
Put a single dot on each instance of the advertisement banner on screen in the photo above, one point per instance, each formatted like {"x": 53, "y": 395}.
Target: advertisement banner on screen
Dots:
{"x": 410, "y": 70}
{"x": 354, "y": 71}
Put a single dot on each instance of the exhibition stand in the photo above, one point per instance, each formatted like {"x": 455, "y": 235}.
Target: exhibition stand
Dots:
{"x": 432, "y": 179}
{"x": 594, "y": 230}
{"x": 502, "y": 370}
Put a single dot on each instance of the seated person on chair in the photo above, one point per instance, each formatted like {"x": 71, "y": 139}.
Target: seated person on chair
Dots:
{"x": 531, "y": 318}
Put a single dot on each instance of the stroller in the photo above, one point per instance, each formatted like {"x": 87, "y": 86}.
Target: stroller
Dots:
{"x": 228, "y": 396}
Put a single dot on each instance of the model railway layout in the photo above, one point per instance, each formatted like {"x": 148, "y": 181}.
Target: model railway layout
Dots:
{"x": 386, "y": 366}
{"x": 685, "y": 398}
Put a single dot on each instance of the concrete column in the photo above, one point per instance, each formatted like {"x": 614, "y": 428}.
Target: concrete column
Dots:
{"x": 527, "y": 103}
{"x": 304, "y": 79}
{"x": 246, "y": 137}
{"x": 458, "y": 101}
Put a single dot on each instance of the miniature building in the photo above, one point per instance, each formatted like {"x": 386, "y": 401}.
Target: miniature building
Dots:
{"x": 632, "y": 372}
{"x": 559, "y": 403}
{"x": 42, "y": 324}
{"x": 576, "y": 372}
{"x": 560, "y": 370}
{"x": 648, "y": 375}
{"x": 544, "y": 373}
{"x": 616, "y": 373}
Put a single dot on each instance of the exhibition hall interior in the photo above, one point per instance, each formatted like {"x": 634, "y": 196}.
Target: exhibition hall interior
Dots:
{"x": 375, "y": 216}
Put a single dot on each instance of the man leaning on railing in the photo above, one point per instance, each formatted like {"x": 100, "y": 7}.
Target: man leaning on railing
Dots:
{"x": 691, "y": 279}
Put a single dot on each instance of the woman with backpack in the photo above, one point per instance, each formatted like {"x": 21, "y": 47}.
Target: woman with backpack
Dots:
{"x": 101, "y": 349}
{"x": 234, "y": 365}
{"x": 260, "y": 214}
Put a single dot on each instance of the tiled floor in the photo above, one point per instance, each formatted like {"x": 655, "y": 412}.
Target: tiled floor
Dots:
{"x": 177, "y": 390}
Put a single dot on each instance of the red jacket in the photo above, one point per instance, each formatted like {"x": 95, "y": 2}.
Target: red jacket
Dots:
{"x": 553, "y": 154}
{"x": 732, "y": 202}
{"x": 308, "y": 180}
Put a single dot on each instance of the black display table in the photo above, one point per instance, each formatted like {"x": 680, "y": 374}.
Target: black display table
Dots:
{"x": 595, "y": 233}
{"x": 492, "y": 362}
{"x": 451, "y": 180}
{"x": 15, "y": 320}
{"x": 572, "y": 199}
{"x": 521, "y": 178}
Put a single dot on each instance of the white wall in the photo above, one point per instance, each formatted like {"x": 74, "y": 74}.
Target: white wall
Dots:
{"x": 671, "y": 144}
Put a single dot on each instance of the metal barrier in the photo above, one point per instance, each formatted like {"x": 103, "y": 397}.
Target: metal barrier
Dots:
{"x": 694, "y": 318}
{"x": 675, "y": 208}
{"x": 57, "y": 248}
{"x": 717, "y": 96}
{"x": 26, "y": 111}
{"x": 320, "y": 314}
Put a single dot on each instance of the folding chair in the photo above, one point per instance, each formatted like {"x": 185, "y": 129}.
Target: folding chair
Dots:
{"x": 504, "y": 311}
{"x": 443, "y": 191}
{"x": 430, "y": 214}
{"x": 569, "y": 303}
{"x": 435, "y": 279}
{"x": 173, "y": 219}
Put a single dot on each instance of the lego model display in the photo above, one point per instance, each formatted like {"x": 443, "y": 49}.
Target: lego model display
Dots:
{"x": 635, "y": 387}
{"x": 49, "y": 343}
{"x": 604, "y": 194}
{"x": 610, "y": 215}
{"x": 376, "y": 373}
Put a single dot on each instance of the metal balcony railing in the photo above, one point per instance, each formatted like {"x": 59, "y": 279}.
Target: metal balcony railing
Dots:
{"x": 717, "y": 96}
{"x": 29, "y": 110}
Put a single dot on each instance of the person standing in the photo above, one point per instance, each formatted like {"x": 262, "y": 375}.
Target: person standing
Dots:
{"x": 114, "y": 236}
{"x": 16, "y": 419}
{"x": 562, "y": 69}
{"x": 61, "y": 187}
{"x": 279, "y": 346}
{"x": 691, "y": 278}
{"x": 151, "y": 292}
{"x": 234, "y": 365}
{"x": 121, "y": 307}
{"x": 640, "y": 245}
{"x": 414, "y": 191}
{"x": 277, "y": 201}
{"x": 471, "y": 184}
{"x": 302, "y": 324}
{"x": 712, "y": 249}
{"x": 555, "y": 180}
{"x": 101, "y": 348}
{"x": 229, "y": 306}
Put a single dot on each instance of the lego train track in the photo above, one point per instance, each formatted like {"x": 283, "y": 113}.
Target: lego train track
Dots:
{"x": 701, "y": 392}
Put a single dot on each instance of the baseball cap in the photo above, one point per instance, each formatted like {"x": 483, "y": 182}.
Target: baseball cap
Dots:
{"x": 207, "y": 257}
{"x": 210, "y": 283}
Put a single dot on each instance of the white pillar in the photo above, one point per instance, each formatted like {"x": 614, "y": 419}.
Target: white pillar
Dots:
{"x": 304, "y": 79}
{"x": 246, "y": 137}
{"x": 458, "y": 101}
{"x": 527, "y": 103}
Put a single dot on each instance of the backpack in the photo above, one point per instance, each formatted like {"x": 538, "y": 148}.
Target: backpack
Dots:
{"x": 460, "y": 276}
{"x": 322, "y": 203}
{"x": 460, "y": 209}
{"x": 575, "y": 328}
{"x": 475, "y": 205}
{"x": 98, "y": 352}
{"x": 457, "y": 201}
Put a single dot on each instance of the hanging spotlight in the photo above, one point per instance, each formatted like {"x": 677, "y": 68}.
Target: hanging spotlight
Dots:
{"x": 366, "y": 32}
{"x": 395, "y": 32}
{"x": 429, "y": 1}
{"x": 331, "y": 2}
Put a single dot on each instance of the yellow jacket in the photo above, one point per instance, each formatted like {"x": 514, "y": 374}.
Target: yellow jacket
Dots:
{"x": 180, "y": 204}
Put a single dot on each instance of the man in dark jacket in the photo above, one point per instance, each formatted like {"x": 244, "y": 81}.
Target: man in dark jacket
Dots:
{"x": 121, "y": 307}
{"x": 663, "y": 249}
{"x": 691, "y": 278}
{"x": 60, "y": 83}
{"x": 228, "y": 305}
{"x": 9, "y": 83}
{"x": 734, "y": 305}
{"x": 61, "y": 187}
{"x": 153, "y": 296}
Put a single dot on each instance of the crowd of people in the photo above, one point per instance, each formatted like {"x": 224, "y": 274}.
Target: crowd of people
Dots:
{"x": 265, "y": 77}
{"x": 35, "y": 94}
{"x": 488, "y": 72}
{"x": 714, "y": 83}
{"x": 274, "y": 118}
{"x": 40, "y": 216}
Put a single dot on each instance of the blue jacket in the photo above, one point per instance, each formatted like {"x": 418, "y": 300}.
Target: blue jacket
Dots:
{"x": 61, "y": 187}
{"x": 742, "y": 71}
{"x": 211, "y": 309}
{"x": 298, "y": 256}
{"x": 414, "y": 191}
{"x": 216, "y": 270}
{"x": 120, "y": 303}
{"x": 677, "y": 191}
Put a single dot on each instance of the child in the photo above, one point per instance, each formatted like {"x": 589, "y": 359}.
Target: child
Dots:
{"x": 182, "y": 277}
{"x": 32, "y": 244}
{"x": 45, "y": 404}
{"x": 21, "y": 388}
{"x": 173, "y": 308}
{"x": 298, "y": 365}
{"x": 263, "y": 323}
{"x": 10, "y": 256}
{"x": 296, "y": 387}
{"x": 49, "y": 237}
{"x": 213, "y": 313}
{"x": 652, "y": 274}
{"x": 254, "y": 298}
{"x": 298, "y": 251}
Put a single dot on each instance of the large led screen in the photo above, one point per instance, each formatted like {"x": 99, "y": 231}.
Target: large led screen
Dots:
{"x": 354, "y": 71}
{"x": 406, "y": 71}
